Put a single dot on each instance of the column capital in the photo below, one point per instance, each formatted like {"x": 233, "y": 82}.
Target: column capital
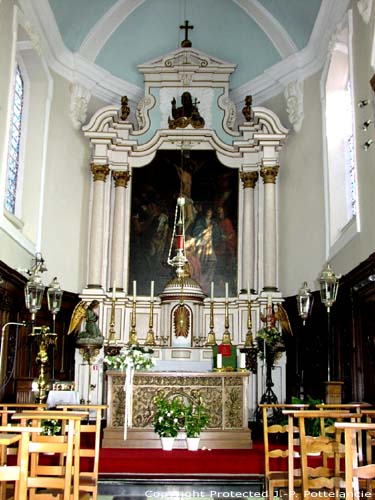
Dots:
{"x": 121, "y": 178}
{"x": 100, "y": 172}
{"x": 269, "y": 174}
{"x": 249, "y": 179}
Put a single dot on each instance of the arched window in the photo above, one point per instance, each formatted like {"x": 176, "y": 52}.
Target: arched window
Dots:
{"x": 340, "y": 161}
{"x": 15, "y": 139}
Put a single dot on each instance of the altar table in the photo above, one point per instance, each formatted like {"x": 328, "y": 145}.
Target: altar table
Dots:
{"x": 225, "y": 395}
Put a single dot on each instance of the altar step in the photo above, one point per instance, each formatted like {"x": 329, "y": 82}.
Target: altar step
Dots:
{"x": 138, "y": 438}
{"x": 176, "y": 489}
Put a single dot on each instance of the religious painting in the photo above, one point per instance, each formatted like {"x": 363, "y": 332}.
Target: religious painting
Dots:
{"x": 211, "y": 211}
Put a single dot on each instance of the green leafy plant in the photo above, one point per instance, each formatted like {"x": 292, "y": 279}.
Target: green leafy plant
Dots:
{"x": 169, "y": 416}
{"x": 196, "y": 419}
{"x": 50, "y": 427}
{"x": 312, "y": 425}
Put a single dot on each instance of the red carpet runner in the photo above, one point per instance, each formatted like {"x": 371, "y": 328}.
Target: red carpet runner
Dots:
{"x": 136, "y": 461}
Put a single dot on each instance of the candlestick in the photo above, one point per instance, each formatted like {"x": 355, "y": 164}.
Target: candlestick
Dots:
{"x": 211, "y": 339}
{"x": 150, "y": 339}
{"x": 226, "y": 335}
{"x": 152, "y": 291}
{"x": 133, "y": 340}
{"x": 249, "y": 334}
{"x": 219, "y": 361}
{"x": 114, "y": 290}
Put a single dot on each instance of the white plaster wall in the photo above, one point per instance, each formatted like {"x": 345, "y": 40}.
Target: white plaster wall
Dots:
{"x": 364, "y": 243}
{"x": 301, "y": 198}
{"x": 67, "y": 186}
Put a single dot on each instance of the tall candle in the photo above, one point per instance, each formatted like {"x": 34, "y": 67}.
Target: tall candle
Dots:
{"x": 212, "y": 290}
{"x": 226, "y": 292}
{"x": 114, "y": 290}
{"x": 134, "y": 290}
{"x": 242, "y": 360}
{"x": 269, "y": 300}
{"x": 219, "y": 361}
{"x": 152, "y": 291}
{"x": 248, "y": 291}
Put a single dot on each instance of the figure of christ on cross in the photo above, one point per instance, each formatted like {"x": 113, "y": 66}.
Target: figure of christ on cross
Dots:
{"x": 186, "y": 42}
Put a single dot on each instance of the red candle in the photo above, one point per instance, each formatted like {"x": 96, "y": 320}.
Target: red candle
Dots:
{"x": 180, "y": 242}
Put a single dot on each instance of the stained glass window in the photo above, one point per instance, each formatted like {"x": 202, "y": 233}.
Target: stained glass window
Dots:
{"x": 14, "y": 143}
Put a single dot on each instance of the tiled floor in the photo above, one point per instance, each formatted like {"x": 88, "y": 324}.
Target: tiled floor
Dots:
{"x": 179, "y": 489}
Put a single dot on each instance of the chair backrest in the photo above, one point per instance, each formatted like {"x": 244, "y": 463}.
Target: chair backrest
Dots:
{"x": 65, "y": 476}
{"x": 90, "y": 448}
{"x": 277, "y": 432}
{"x": 317, "y": 473}
{"x": 353, "y": 470}
{"x": 20, "y": 436}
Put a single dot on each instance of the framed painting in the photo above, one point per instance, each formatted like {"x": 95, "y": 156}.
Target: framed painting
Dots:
{"x": 211, "y": 214}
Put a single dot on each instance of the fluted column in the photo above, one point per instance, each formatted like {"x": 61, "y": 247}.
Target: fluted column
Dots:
{"x": 100, "y": 173}
{"x": 269, "y": 174}
{"x": 118, "y": 228}
{"x": 249, "y": 180}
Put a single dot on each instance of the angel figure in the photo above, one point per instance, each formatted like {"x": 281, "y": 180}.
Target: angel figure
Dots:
{"x": 87, "y": 312}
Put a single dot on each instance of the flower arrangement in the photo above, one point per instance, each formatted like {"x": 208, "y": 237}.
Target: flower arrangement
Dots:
{"x": 140, "y": 358}
{"x": 196, "y": 419}
{"x": 169, "y": 416}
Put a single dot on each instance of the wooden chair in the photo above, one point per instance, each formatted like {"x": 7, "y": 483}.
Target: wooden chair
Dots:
{"x": 17, "y": 474}
{"x": 317, "y": 474}
{"x": 353, "y": 471}
{"x": 88, "y": 479}
{"x": 45, "y": 481}
{"x": 277, "y": 431}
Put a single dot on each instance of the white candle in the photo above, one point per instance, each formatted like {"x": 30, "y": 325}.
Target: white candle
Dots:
{"x": 226, "y": 292}
{"x": 114, "y": 290}
{"x": 219, "y": 361}
{"x": 269, "y": 300}
{"x": 242, "y": 360}
{"x": 134, "y": 290}
{"x": 248, "y": 291}
{"x": 152, "y": 291}
{"x": 212, "y": 290}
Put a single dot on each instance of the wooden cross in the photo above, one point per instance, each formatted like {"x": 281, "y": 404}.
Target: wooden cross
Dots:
{"x": 186, "y": 27}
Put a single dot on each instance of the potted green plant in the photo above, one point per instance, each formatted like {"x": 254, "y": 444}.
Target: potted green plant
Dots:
{"x": 196, "y": 419}
{"x": 169, "y": 419}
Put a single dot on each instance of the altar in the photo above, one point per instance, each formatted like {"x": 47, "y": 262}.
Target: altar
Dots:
{"x": 224, "y": 394}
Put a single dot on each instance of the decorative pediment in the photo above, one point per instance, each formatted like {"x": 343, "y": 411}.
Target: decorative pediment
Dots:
{"x": 187, "y": 64}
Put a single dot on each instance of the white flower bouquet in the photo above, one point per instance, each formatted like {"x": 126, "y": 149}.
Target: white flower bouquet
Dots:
{"x": 136, "y": 357}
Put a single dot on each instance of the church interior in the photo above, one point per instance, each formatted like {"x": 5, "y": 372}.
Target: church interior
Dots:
{"x": 187, "y": 192}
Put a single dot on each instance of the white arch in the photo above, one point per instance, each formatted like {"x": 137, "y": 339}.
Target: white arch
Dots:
{"x": 271, "y": 27}
{"x": 103, "y": 29}
{"x": 107, "y": 24}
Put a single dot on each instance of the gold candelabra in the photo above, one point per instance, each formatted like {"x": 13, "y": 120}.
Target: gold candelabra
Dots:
{"x": 133, "y": 339}
{"x": 150, "y": 339}
{"x": 45, "y": 338}
{"x": 211, "y": 339}
{"x": 226, "y": 334}
{"x": 249, "y": 334}
{"x": 112, "y": 324}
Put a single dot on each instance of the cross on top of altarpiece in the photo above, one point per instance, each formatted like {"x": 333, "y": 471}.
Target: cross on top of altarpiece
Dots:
{"x": 186, "y": 42}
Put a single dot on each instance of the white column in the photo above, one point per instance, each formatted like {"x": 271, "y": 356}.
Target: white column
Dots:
{"x": 118, "y": 228}
{"x": 249, "y": 180}
{"x": 100, "y": 173}
{"x": 269, "y": 175}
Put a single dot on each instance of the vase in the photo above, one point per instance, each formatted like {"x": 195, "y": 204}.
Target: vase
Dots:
{"x": 192, "y": 443}
{"x": 167, "y": 443}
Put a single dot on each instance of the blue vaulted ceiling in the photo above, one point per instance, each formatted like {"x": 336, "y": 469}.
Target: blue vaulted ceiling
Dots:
{"x": 238, "y": 31}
